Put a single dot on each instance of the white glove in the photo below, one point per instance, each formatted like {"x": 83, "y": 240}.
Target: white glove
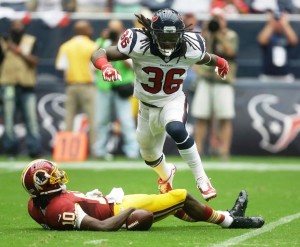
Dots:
{"x": 94, "y": 193}
{"x": 111, "y": 74}
{"x": 115, "y": 196}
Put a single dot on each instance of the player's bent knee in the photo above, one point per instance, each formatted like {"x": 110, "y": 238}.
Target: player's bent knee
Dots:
{"x": 179, "y": 134}
{"x": 177, "y": 131}
{"x": 179, "y": 194}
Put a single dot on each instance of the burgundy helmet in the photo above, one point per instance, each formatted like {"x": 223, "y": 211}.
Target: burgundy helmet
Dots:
{"x": 42, "y": 177}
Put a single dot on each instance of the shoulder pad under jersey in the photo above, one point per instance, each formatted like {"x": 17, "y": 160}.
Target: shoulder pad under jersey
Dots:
{"x": 195, "y": 43}
{"x": 129, "y": 40}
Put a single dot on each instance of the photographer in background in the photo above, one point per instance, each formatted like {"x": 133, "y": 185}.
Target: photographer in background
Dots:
{"x": 18, "y": 80}
{"x": 276, "y": 40}
{"x": 213, "y": 102}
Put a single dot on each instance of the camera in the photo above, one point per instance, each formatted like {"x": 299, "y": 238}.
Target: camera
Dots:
{"x": 213, "y": 25}
{"x": 113, "y": 35}
{"x": 277, "y": 15}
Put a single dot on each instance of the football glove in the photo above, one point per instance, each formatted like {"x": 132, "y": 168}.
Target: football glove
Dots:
{"x": 222, "y": 67}
{"x": 110, "y": 74}
{"x": 94, "y": 193}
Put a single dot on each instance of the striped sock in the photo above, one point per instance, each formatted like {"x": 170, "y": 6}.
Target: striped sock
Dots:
{"x": 217, "y": 217}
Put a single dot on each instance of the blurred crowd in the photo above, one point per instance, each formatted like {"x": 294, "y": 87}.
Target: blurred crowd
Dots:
{"x": 134, "y": 6}
{"x": 111, "y": 110}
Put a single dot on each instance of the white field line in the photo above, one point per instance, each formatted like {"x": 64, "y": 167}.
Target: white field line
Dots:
{"x": 127, "y": 165}
{"x": 97, "y": 242}
{"x": 254, "y": 233}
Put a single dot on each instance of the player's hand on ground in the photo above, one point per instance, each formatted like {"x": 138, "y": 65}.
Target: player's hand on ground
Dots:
{"x": 111, "y": 74}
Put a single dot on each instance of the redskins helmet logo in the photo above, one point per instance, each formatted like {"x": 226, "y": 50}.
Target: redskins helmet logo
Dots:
{"x": 40, "y": 178}
{"x": 154, "y": 18}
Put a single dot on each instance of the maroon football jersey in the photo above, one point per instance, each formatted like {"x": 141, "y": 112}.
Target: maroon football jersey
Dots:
{"x": 61, "y": 213}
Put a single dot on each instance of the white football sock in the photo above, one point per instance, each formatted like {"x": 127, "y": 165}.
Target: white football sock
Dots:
{"x": 192, "y": 158}
{"x": 228, "y": 219}
{"x": 163, "y": 169}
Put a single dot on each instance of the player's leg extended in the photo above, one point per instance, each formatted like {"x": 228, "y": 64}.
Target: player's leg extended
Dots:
{"x": 226, "y": 219}
{"x": 174, "y": 117}
{"x": 151, "y": 147}
{"x": 201, "y": 212}
{"x": 161, "y": 205}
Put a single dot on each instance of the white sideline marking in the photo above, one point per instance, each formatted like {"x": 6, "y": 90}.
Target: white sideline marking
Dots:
{"x": 266, "y": 228}
{"x": 96, "y": 241}
{"x": 128, "y": 165}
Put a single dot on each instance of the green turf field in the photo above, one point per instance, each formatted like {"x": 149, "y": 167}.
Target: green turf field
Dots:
{"x": 272, "y": 183}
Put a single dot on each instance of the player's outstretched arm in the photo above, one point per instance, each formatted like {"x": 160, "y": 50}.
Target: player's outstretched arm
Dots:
{"x": 111, "y": 224}
{"x": 100, "y": 60}
{"x": 111, "y": 53}
{"x": 219, "y": 62}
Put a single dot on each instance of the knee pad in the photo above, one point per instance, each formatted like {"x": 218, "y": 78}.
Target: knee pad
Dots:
{"x": 179, "y": 134}
{"x": 177, "y": 131}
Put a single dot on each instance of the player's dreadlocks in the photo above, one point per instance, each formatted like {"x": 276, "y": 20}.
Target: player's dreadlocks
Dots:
{"x": 147, "y": 29}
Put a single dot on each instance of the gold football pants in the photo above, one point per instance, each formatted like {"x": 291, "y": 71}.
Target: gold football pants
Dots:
{"x": 161, "y": 205}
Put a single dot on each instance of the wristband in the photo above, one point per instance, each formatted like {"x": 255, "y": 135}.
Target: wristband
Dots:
{"x": 220, "y": 62}
{"x": 102, "y": 62}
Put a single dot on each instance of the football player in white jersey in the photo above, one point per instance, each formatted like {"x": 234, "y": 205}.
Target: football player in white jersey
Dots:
{"x": 161, "y": 52}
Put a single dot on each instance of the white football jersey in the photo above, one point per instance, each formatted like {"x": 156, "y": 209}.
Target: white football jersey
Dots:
{"x": 158, "y": 78}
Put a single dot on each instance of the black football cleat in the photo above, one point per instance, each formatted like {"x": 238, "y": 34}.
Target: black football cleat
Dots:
{"x": 240, "y": 205}
{"x": 247, "y": 222}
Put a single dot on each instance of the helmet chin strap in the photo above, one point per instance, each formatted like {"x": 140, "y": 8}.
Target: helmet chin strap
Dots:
{"x": 166, "y": 52}
{"x": 51, "y": 191}
{"x": 63, "y": 187}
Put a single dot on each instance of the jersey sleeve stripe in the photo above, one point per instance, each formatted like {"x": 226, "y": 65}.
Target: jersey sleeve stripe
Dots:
{"x": 134, "y": 39}
{"x": 200, "y": 43}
